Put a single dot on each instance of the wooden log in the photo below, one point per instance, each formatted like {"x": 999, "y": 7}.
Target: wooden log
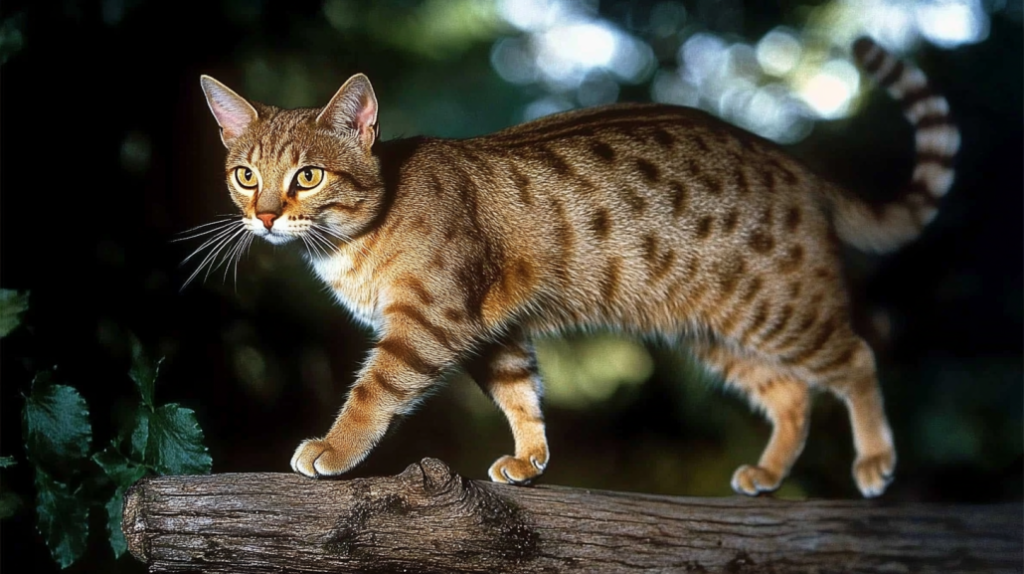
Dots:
{"x": 428, "y": 519}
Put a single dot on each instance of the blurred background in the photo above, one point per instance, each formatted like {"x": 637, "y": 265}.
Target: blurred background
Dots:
{"x": 108, "y": 153}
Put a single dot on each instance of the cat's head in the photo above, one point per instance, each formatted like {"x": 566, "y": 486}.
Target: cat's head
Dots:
{"x": 303, "y": 173}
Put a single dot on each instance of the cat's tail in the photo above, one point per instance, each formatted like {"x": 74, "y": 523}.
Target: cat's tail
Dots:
{"x": 886, "y": 227}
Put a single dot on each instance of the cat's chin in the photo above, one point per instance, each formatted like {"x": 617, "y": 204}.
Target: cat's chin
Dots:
{"x": 277, "y": 238}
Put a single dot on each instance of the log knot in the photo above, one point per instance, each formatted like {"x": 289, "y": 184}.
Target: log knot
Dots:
{"x": 452, "y": 515}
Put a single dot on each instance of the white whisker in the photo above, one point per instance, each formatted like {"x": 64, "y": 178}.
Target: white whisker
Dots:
{"x": 221, "y": 233}
{"x": 223, "y": 239}
{"x": 220, "y": 252}
{"x": 329, "y": 248}
{"x": 192, "y": 232}
{"x": 230, "y": 259}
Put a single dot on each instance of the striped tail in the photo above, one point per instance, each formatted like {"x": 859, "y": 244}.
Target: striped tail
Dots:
{"x": 886, "y": 227}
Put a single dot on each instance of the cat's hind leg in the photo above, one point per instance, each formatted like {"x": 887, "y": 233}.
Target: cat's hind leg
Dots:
{"x": 850, "y": 374}
{"x": 507, "y": 371}
{"x": 785, "y": 401}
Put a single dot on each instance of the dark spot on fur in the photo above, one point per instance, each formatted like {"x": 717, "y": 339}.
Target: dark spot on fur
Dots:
{"x": 603, "y": 151}
{"x": 793, "y": 217}
{"x": 610, "y": 281}
{"x": 601, "y": 224}
{"x": 760, "y": 241}
{"x": 664, "y": 138}
{"x": 731, "y": 219}
{"x": 648, "y": 170}
{"x": 793, "y": 258}
{"x": 678, "y": 199}
{"x": 704, "y": 227}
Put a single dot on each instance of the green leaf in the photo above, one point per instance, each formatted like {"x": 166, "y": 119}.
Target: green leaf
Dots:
{"x": 57, "y": 427}
{"x": 9, "y": 504}
{"x": 63, "y": 519}
{"x": 12, "y": 305}
{"x": 140, "y": 434}
{"x": 175, "y": 444}
{"x": 114, "y": 512}
{"x": 123, "y": 473}
{"x": 144, "y": 371}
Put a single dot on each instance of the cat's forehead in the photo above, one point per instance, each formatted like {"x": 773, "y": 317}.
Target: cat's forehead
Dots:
{"x": 286, "y": 135}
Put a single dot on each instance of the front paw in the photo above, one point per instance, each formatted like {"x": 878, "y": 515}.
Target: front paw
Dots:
{"x": 753, "y": 480}
{"x": 316, "y": 457}
{"x": 512, "y": 470}
{"x": 874, "y": 473}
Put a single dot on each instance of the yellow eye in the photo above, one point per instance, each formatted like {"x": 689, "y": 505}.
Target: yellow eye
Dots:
{"x": 246, "y": 177}
{"x": 309, "y": 177}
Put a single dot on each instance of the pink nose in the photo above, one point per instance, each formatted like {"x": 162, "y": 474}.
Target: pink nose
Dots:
{"x": 267, "y": 219}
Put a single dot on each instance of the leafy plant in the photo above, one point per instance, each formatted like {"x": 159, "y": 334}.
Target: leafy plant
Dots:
{"x": 69, "y": 481}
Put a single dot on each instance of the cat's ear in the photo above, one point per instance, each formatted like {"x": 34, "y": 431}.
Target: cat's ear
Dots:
{"x": 232, "y": 112}
{"x": 354, "y": 107}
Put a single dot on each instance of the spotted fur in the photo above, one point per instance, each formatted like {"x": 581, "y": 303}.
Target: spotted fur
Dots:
{"x": 640, "y": 217}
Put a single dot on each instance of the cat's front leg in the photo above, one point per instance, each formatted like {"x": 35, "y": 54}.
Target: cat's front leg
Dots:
{"x": 406, "y": 363}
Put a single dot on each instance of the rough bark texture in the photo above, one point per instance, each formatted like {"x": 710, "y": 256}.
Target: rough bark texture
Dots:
{"x": 428, "y": 519}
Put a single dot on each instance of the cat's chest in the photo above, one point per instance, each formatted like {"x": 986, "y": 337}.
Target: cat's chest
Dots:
{"x": 353, "y": 288}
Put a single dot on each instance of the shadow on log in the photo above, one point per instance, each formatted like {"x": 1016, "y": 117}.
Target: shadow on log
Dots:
{"x": 428, "y": 519}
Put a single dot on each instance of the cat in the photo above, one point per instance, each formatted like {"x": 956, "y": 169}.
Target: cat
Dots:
{"x": 646, "y": 218}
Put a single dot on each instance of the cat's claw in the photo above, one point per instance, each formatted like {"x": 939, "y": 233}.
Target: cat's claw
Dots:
{"x": 315, "y": 458}
{"x": 753, "y": 480}
{"x": 874, "y": 473}
{"x": 512, "y": 470}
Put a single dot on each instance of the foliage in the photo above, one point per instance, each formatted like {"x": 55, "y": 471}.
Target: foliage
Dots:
{"x": 69, "y": 482}
{"x": 12, "y": 304}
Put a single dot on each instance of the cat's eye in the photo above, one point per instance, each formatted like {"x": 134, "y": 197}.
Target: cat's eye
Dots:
{"x": 246, "y": 178}
{"x": 309, "y": 177}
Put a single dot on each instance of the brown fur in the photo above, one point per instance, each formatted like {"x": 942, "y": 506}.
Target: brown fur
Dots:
{"x": 639, "y": 217}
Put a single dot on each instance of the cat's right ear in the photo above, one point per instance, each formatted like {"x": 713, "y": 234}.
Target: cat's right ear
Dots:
{"x": 232, "y": 112}
{"x": 354, "y": 107}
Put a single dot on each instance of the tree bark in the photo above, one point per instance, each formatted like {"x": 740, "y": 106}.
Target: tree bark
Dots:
{"x": 428, "y": 519}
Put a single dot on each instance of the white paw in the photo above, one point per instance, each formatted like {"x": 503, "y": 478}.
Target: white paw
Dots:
{"x": 753, "y": 480}
{"x": 874, "y": 473}
{"x": 316, "y": 457}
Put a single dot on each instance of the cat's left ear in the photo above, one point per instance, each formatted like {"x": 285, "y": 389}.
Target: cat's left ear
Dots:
{"x": 354, "y": 107}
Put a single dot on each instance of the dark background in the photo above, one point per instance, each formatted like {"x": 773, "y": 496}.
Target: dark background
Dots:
{"x": 107, "y": 151}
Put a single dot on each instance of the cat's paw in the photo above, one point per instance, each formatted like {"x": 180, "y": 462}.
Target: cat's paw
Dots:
{"x": 753, "y": 480}
{"x": 512, "y": 470}
{"x": 874, "y": 473}
{"x": 316, "y": 457}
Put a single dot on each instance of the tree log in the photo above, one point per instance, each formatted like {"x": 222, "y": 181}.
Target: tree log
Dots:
{"x": 428, "y": 519}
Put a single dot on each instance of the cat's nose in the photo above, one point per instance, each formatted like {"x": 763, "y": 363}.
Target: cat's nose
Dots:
{"x": 267, "y": 219}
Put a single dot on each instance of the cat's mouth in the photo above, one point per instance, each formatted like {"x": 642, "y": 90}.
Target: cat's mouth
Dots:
{"x": 273, "y": 234}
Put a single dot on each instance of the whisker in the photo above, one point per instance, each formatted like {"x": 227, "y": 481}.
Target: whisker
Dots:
{"x": 220, "y": 249}
{"x": 194, "y": 235}
{"x": 327, "y": 246}
{"x": 211, "y": 256}
{"x": 210, "y": 241}
{"x": 343, "y": 237}
{"x": 230, "y": 256}
{"x": 312, "y": 246}
{"x": 246, "y": 243}
{"x": 185, "y": 234}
